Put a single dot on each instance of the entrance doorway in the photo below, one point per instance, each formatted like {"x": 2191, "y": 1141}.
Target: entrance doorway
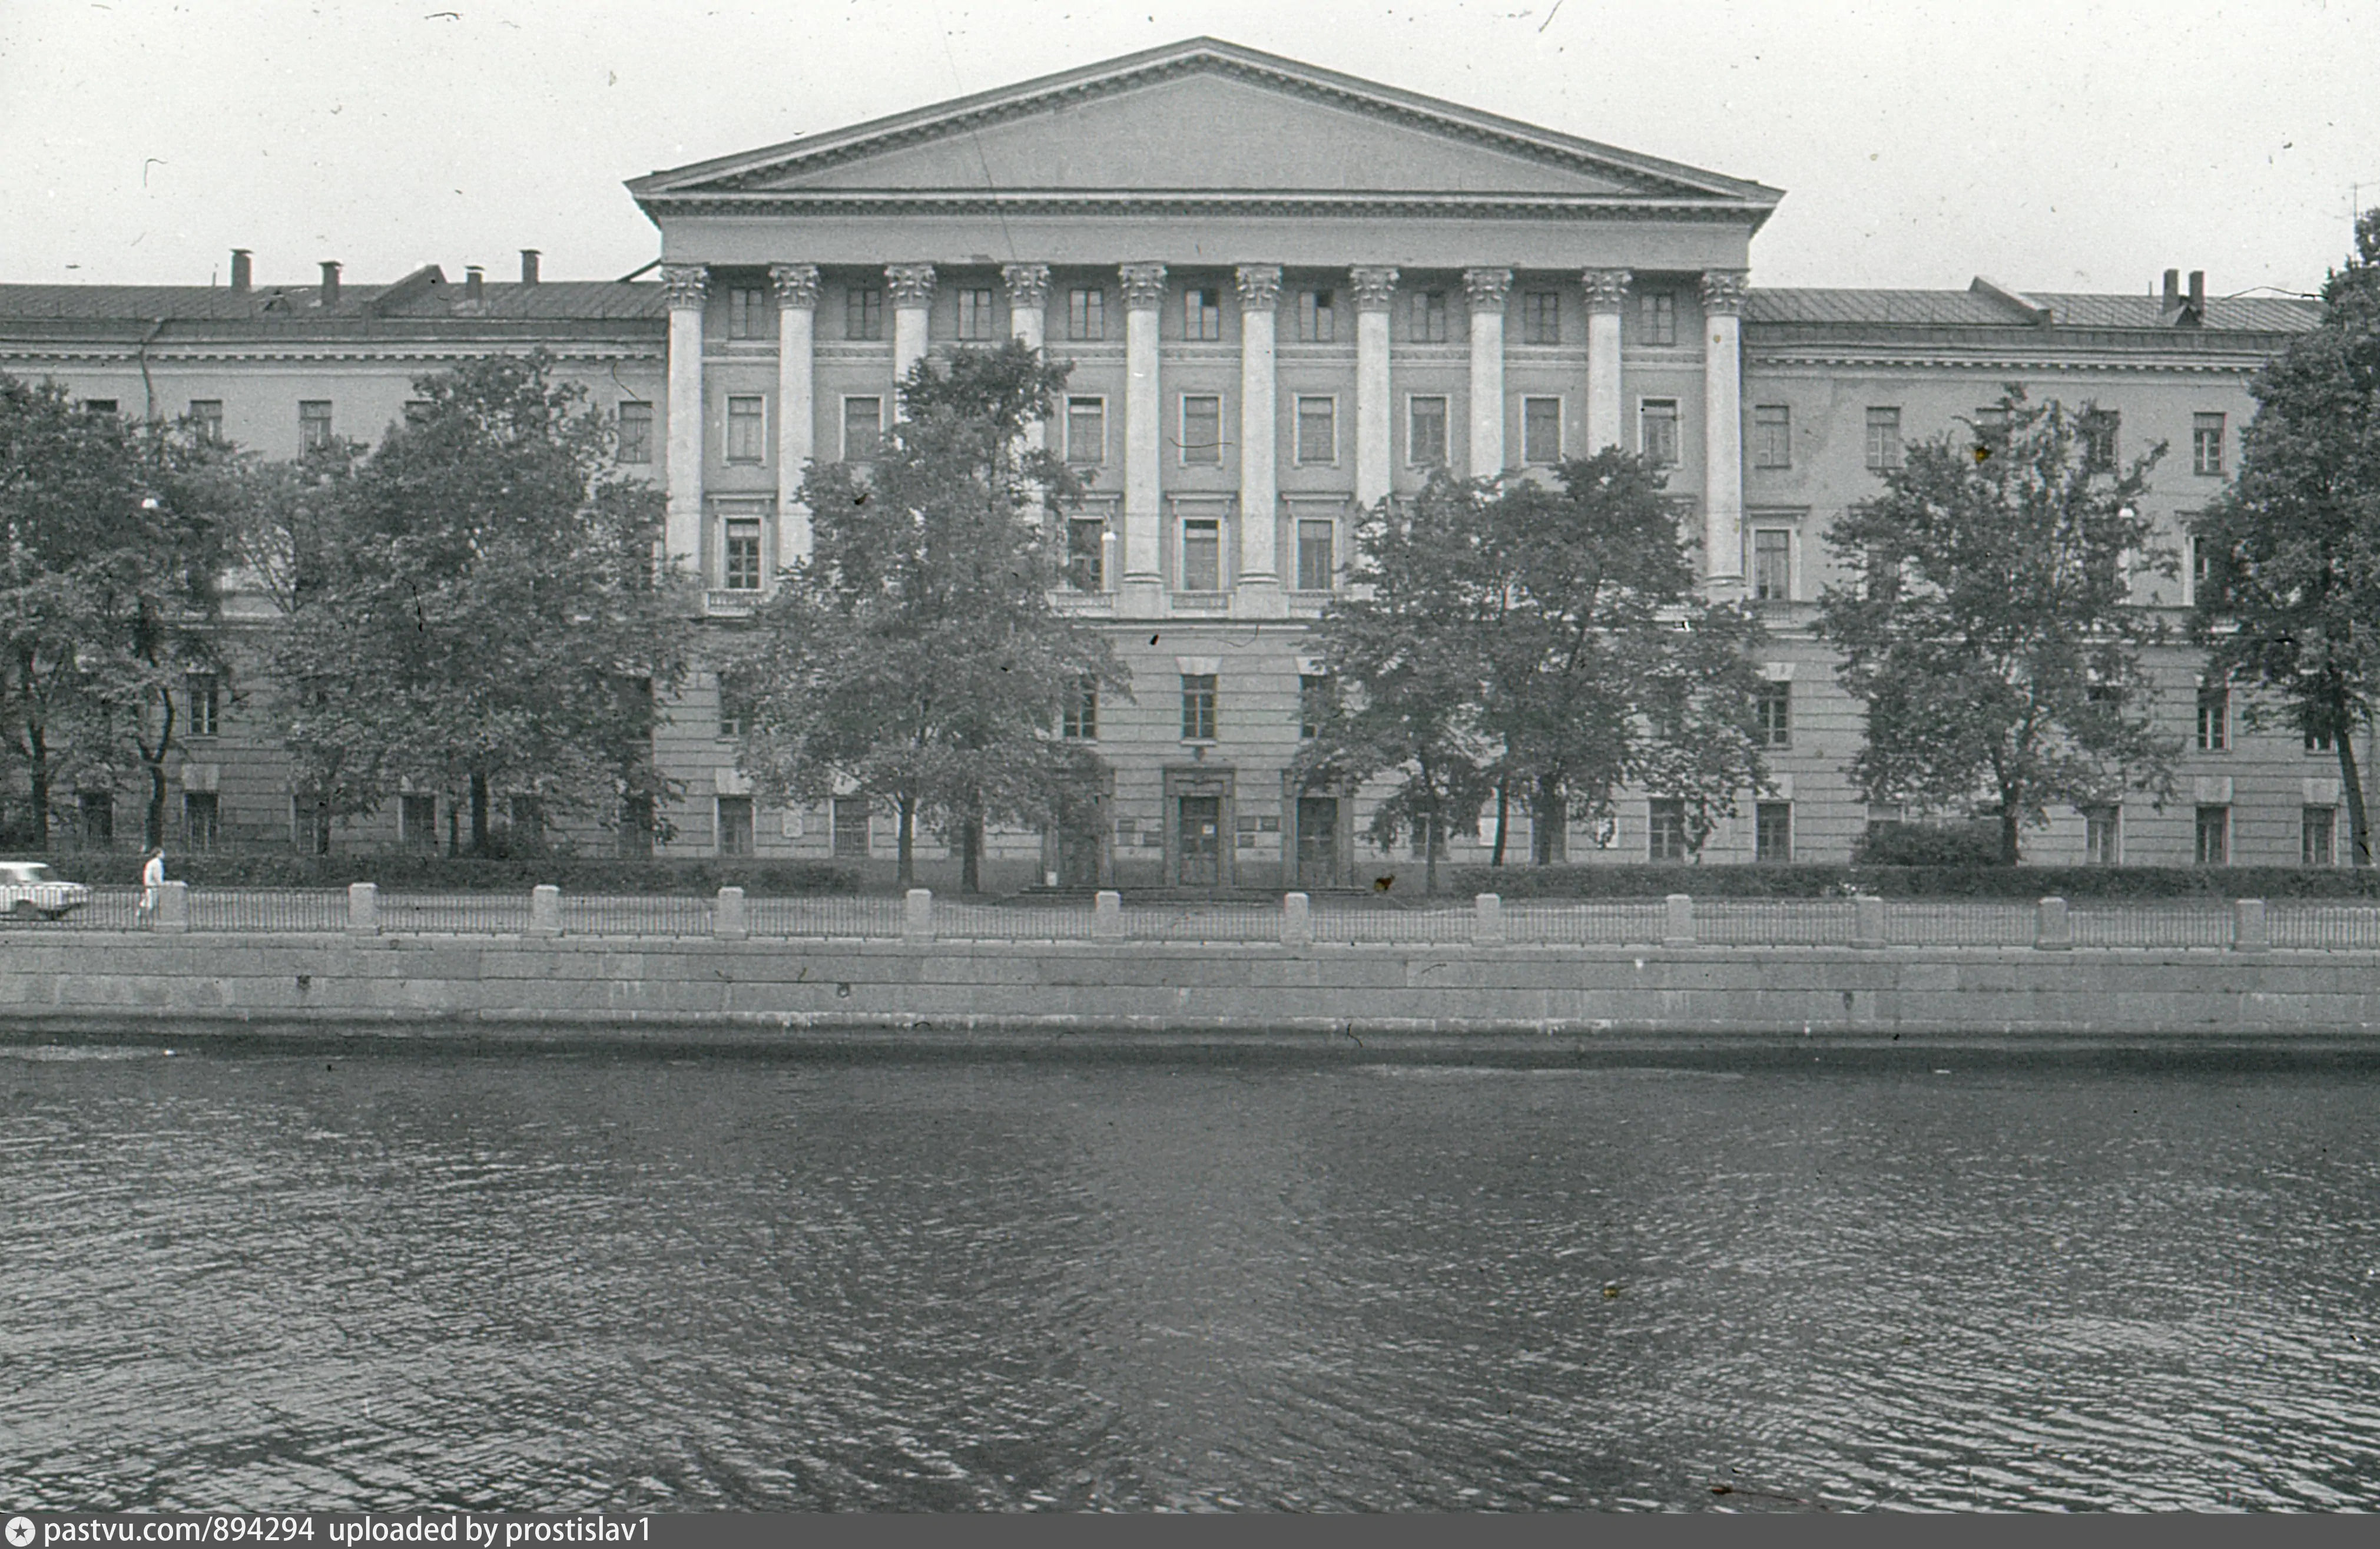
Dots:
{"x": 1317, "y": 841}
{"x": 1198, "y": 842}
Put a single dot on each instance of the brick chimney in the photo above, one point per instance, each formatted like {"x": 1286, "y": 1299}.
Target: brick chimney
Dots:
{"x": 2173, "y": 291}
{"x": 330, "y": 285}
{"x": 241, "y": 276}
{"x": 474, "y": 283}
{"x": 529, "y": 265}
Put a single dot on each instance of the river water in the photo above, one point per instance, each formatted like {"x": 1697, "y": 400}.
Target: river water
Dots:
{"x": 259, "y": 1278}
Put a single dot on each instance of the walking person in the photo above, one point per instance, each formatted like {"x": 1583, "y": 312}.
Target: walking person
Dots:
{"x": 152, "y": 880}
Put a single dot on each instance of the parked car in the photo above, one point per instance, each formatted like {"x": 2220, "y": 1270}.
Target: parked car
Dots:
{"x": 29, "y": 888}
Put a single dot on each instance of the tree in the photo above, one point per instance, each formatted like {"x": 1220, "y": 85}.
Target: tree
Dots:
{"x": 1605, "y": 669}
{"x": 916, "y": 654}
{"x": 1988, "y": 627}
{"x": 1507, "y": 635}
{"x": 474, "y": 607}
{"x": 2291, "y": 598}
{"x": 111, "y": 547}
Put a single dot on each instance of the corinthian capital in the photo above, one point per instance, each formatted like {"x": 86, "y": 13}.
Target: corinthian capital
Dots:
{"x": 1606, "y": 289}
{"x": 1487, "y": 289}
{"x": 911, "y": 284}
{"x": 1723, "y": 290}
{"x": 684, "y": 285}
{"x": 1144, "y": 286}
{"x": 1260, "y": 287}
{"x": 1028, "y": 285}
{"x": 1374, "y": 285}
{"x": 796, "y": 285}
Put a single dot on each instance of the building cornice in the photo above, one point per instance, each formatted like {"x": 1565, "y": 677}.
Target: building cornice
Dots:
{"x": 1195, "y": 202}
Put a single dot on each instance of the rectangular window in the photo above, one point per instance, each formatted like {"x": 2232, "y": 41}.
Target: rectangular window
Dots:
{"x": 731, "y": 712}
{"x": 746, "y": 430}
{"x": 1081, "y": 718}
{"x": 1541, "y": 317}
{"x": 748, "y": 314}
{"x": 975, "y": 322}
{"x": 416, "y": 822}
{"x": 1774, "y": 714}
{"x": 1202, "y": 314}
{"x": 201, "y": 820}
{"x": 635, "y": 432}
{"x": 850, "y": 828}
{"x": 863, "y": 428}
{"x": 1882, "y": 439}
{"x": 1772, "y": 832}
{"x": 2214, "y": 830}
{"x": 1772, "y": 564}
{"x": 863, "y": 312}
{"x": 206, "y": 419}
{"x": 2317, "y": 741}
{"x": 1656, "y": 317}
{"x": 1658, "y": 435}
{"x": 310, "y": 825}
{"x": 1665, "y": 829}
{"x": 2099, "y": 428}
{"x": 97, "y": 809}
{"x": 1425, "y": 432}
{"x": 740, "y": 556}
{"x": 1317, "y": 316}
{"x": 1202, "y": 556}
{"x": 735, "y": 826}
{"x": 1315, "y": 704}
{"x": 1086, "y": 431}
{"x": 2213, "y": 717}
{"x": 416, "y": 411}
{"x": 1772, "y": 435}
{"x": 206, "y": 703}
{"x": 1541, "y": 431}
{"x": 1202, "y": 428}
{"x": 1086, "y": 314}
{"x": 1430, "y": 317}
{"x": 2103, "y": 834}
{"x": 1198, "y": 707}
{"x": 1318, "y": 557}
{"x": 1317, "y": 430}
{"x": 98, "y": 406}
{"x": 2317, "y": 828}
{"x": 1086, "y": 553}
{"x": 2207, "y": 444}
{"x": 313, "y": 424}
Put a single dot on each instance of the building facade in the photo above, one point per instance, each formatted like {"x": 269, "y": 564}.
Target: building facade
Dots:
{"x": 1285, "y": 293}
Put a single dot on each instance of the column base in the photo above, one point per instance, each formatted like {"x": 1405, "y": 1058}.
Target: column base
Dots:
{"x": 1724, "y": 589}
{"x": 1259, "y": 597}
{"x": 1140, "y": 597}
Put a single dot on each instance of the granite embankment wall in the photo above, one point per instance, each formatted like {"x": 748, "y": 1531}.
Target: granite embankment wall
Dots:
{"x": 186, "y": 983}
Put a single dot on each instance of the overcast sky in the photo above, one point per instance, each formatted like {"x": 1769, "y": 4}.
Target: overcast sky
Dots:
{"x": 2054, "y": 146}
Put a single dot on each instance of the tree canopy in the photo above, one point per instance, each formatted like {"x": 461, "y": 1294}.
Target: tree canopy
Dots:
{"x": 112, "y": 538}
{"x": 914, "y": 655}
{"x": 473, "y": 608}
{"x": 2290, "y": 599}
{"x": 1516, "y": 636}
{"x": 1986, "y": 624}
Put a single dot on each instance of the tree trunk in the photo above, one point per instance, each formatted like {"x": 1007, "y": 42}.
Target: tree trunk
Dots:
{"x": 2350, "y": 788}
{"x": 970, "y": 855}
{"x": 39, "y": 778}
{"x": 479, "y": 813}
{"x": 1551, "y": 822}
{"x": 905, "y": 869}
{"x": 1503, "y": 815}
{"x": 154, "y": 825}
{"x": 2011, "y": 815}
{"x": 1429, "y": 854}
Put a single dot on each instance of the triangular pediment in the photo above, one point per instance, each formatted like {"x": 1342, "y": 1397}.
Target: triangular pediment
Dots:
{"x": 1199, "y": 118}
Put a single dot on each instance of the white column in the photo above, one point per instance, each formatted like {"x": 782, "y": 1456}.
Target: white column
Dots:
{"x": 1260, "y": 594}
{"x": 684, "y": 286}
{"x": 1375, "y": 288}
{"x": 1606, "y": 294}
{"x": 1487, "y": 289}
{"x": 1143, "y": 593}
{"x": 1028, "y": 316}
{"x": 797, "y": 296}
{"x": 1723, "y": 430}
{"x": 911, "y": 287}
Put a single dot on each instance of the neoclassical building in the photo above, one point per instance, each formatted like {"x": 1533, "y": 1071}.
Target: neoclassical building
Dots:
{"x": 1285, "y": 293}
